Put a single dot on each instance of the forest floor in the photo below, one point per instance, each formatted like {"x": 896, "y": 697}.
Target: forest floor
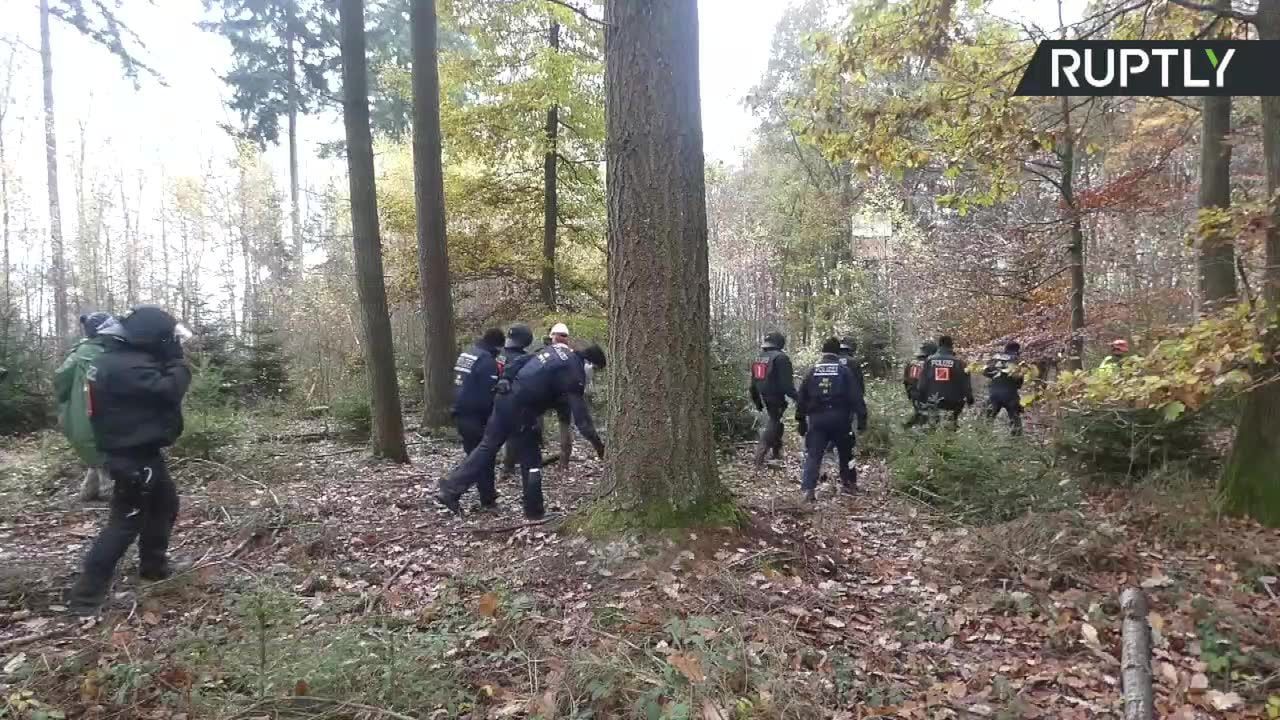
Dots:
{"x": 323, "y": 584}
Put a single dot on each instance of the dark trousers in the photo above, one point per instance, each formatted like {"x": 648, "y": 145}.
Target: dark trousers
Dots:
{"x": 918, "y": 417}
{"x": 517, "y": 428}
{"x": 771, "y": 433}
{"x": 829, "y": 428}
{"x": 509, "y": 452}
{"x": 471, "y": 428}
{"x": 952, "y": 410}
{"x": 1011, "y": 404}
{"x": 144, "y": 507}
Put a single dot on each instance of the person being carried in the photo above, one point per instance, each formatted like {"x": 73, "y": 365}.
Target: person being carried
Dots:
{"x": 136, "y": 388}
{"x": 944, "y": 384}
{"x": 519, "y": 338}
{"x": 1004, "y": 370}
{"x": 1119, "y": 351}
{"x": 772, "y": 382}
{"x": 554, "y": 377}
{"x": 475, "y": 373}
{"x": 71, "y": 389}
{"x": 826, "y": 406}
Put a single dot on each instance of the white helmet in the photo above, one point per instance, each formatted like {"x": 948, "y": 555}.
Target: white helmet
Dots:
{"x": 560, "y": 329}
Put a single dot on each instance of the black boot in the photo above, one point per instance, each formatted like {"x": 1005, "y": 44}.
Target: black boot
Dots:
{"x": 86, "y": 600}
{"x": 452, "y": 502}
{"x": 810, "y": 496}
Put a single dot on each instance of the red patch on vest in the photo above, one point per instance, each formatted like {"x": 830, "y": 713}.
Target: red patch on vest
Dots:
{"x": 760, "y": 369}
{"x": 915, "y": 372}
{"x": 942, "y": 374}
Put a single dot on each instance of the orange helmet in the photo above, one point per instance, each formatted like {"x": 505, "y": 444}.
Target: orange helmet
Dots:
{"x": 1122, "y": 345}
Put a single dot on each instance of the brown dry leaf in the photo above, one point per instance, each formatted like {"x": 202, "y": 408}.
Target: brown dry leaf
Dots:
{"x": 1090, "y": 634}
{"x": 150, "y": 618}
{"x": 1199, "y": 681}
{"x": 1225, "y": 701}
{"x": 1169, "y": 673}
{"x": 489, "y": 604}
{"x": 89, "y": 688}
{"x": 712, "y": 711}
{"x": 689, "y": 665}
{"x": 833, "y": 622}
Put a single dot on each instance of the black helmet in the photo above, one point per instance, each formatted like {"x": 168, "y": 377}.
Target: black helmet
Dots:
{"x": 492, "y": 338}
{"x": 91, "y": 322}
{"x": 148, "y": 325}
{"x": 830, "y": 346}
{"x": 593, "y": 354}
{"x": 774, "y": 341}
{"x": 1012, "y": 348}
{"x": 929, "y": 348}
{"x": 848, "y": 343}
{"x": 519, "y": 337}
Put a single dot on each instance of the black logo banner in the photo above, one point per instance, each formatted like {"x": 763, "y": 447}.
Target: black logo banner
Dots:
{"x": 1153, "y": 67}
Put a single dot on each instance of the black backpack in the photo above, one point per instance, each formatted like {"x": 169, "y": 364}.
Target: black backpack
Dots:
{"x": 763, "y": 378}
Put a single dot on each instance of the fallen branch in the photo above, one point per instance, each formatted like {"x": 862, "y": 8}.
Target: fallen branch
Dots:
{"x": 368, "y": 607}
{"x": 337, "y": 706}
{"x": 34, "y": 637}
{"x": 510, "y": 528}
{"x": 1135, "y": 653}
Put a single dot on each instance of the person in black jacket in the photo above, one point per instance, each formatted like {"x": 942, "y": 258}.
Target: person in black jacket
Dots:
{"x": 136, "y": 388}
{"x": 827, "y": 404}
{"x": 944, "y": 384}
{"x": 910, "y": 379}
{"x": 1004, "y": 370}
{"x": 519, "y": 338}
{"x": 551, "y": 378}
{"x": 475, "y": 373}
{"x": 772, "y": 382}
{"x": 847, "y": 357}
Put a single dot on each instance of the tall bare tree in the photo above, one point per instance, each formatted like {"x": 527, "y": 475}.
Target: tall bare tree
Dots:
{"x": 662, "y": 459}
{"x": 433, "y": 249}
{"x": 58, "y": 260}
{"x": 388, "y": 425}
{"x": 550, "y": 202}
{"x": 1217, "y": 256}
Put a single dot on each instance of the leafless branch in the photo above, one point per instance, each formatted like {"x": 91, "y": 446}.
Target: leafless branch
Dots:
{"x": 1220, "y": 12}
{"x": 578, "y": 10}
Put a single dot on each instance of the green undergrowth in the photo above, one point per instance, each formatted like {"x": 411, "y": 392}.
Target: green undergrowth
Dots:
{"x": 606, "y": 517}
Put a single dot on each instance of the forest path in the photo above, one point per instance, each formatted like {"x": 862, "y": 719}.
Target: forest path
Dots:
{"x": 866, "y": 605}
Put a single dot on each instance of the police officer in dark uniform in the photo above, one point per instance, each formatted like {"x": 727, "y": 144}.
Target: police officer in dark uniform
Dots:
{"x": 826, "y": 406}
{"x": 910, "y": 378}
{"x": 519, "y": 338}
{"x": 475, "y": 373}
{"x": 553, "y": 377}
{"x": 1004, "y": 370}
{"x": 136, "y": 388}
{"x": 772, "y": 382}
{"x": 944, "y": 384}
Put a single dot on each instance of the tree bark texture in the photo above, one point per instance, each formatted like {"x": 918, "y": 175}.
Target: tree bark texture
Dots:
{"x": 1075, "y": 246}
{"x": 295, "y": 212}
{"x": 1217, "y": 256}
{"x": 1250, "y": 484}
{"x": 59, "y": 259}
{"x": 1135, "y": 656}
{"x": 388, "y": 426}
{"x": 662, "y": 454}
{"x": 433, "y": 248}
{"x": 550, "y": 201}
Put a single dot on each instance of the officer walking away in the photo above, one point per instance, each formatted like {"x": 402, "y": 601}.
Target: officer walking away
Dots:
{"x": 519, "y": 338}
{"x": 136, "y": 387}
{"x": 846, "y": 357}
{"x": 475, "y": 373}
{"x": 772, "y": 382}
{"x": 944, "y": 384}
{"x": 911, "y": 373}
{"x": 1119, "y": 350}
{"x": 554, "y": 377}
{"x": 559, "y": 335}
{"x": 826, "y": 406}
{"x": 1004, "y": 370}
{"x": 70, "y": 387}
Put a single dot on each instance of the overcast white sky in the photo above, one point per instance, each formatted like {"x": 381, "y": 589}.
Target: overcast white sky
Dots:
{"x": 177, "y": 125}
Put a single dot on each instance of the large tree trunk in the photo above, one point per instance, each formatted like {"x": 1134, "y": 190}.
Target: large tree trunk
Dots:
{"x": 1217, "y": 256}
{"x": 4, "y": 191}
{"x": 550, "y": 202}
{"x": 58, "y": 260}
{"x": 662, "y": 458}
{"x": 1075, "y": 247}
{"x": 1250, "y": 484}
{"x": 433, "y": 248}
{"x": 295, "y": 213}
{"x": 388, "y": 426}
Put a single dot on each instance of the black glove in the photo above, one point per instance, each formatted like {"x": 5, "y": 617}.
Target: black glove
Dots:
{"x": 598, "y": 444}
{"x": 503, "y": 386}
{"x": 862, "y": 424}
{"x": 969, "y": 401}
{"x": 759, "y": 407}
{"x": 802, "y": 426}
